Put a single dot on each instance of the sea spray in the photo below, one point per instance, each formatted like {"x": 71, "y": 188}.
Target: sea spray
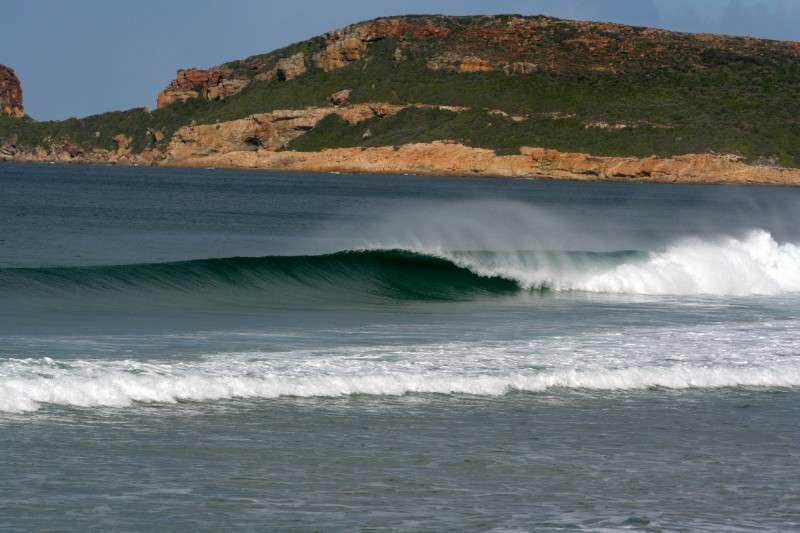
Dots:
{"x": 726, "y": 266}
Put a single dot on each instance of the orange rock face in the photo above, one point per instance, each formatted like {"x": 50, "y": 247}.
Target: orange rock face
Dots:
{"x": 341, "y": 48}
{"x": 448, "y": 158}
{"x": 422, "y": 28}
{"x": 291, "y": 67}
{"x": 265, "y": 131}
{"x": 255, "y": 142}
{"x": 349, "y": 44}
{"x": 475, "y": 64}
{"x": 340, "y": 52}
{"x": 211, "y": 84}
{"x": 10, "y": 93}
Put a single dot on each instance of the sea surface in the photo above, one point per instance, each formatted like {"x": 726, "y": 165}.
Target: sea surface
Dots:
{"x": 202, "y": 350}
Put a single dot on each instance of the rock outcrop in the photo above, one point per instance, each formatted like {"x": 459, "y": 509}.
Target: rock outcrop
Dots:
{"x": 340, "y": 97}
{"x": 291, "y": 67}
{"x": 268, "y": 131}
{"x": 456, "y": 63}
{"x": 447, "y": 158}
{"x": 339, "y": 49}
{"x": 348, "y": 45}
{"x": 340, "y": 52}
{"x": 10, "y": 93}
{"x": 212, "y": 84}
{"x": 258, "y": 141}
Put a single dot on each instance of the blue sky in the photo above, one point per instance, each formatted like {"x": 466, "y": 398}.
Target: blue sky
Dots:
{"x": 78, "y": 57}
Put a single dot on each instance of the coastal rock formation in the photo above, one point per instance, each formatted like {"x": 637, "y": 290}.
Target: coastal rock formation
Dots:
{"x": 456, "y": 63}
{"x": 10, "y": 93}
{"x": 212, "y": 84}
{"x": 721, "y": 168}
{"x": 340, "y": 52}
{"x": 266, "y": 131}
{"x": 339, "y": 49}
{"x": 124, "y": 150}
{"x": 256, "y": 143}
{"x": 273, "y": 131}
{"x": 269, "y": 131}
{"x": 285, "y": 69}
{"x": 291, "y": 67}
{"x": 65, "y": 152}
{"x": 340, "y": 97}
{"x": 349, "y": 45}
{"x": 447, "y": 158}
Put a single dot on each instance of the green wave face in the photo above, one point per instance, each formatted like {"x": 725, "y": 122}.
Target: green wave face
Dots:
{"x": 387, "y": 274}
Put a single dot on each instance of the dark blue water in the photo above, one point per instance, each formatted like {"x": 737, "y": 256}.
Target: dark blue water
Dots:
{"x": 199, "y": 350}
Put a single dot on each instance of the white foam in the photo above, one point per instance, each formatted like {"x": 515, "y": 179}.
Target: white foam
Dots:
{"x": 628, "y": 357}
{"x": 85, "y": 384}
{"x": 753, "y": 265}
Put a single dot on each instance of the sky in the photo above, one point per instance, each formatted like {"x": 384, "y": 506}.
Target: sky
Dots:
{"x": 80, "y": 57}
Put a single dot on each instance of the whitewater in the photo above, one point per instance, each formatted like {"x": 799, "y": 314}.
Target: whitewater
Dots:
{"x": 222, "y": 350}
{"x": 109, "y": 388}
{"x": 627, "y": 360}
{"x": 755, "y": 264}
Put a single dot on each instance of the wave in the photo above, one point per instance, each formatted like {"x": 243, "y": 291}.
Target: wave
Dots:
{"x": 752, "y": 265}
{"x": 85, "y": 384}
{"x": 388, "y": 273}
{"x": 755, "y": 264}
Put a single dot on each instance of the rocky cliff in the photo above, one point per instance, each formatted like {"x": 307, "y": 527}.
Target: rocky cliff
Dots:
{"x": 212, "y": 84}
{"x": 10, "y": 93}
{"x": 512, "y": 96}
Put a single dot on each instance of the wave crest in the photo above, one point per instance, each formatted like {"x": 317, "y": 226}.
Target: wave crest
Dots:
{"x": 753, "y": 265}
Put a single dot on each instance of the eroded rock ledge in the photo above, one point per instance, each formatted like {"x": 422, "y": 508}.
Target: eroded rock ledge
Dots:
{"x": 451, "y": 159}
{"x": 445, "y": 158}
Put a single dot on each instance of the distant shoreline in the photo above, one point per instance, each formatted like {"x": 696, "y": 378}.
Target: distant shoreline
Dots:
{"x": 453, "y": 159}
{"x": 501, "y": 96}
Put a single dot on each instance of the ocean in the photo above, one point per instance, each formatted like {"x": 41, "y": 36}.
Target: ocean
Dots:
{"x": 200, "y": 350}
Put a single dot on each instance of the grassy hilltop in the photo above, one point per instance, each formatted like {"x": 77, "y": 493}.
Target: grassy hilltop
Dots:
{"x": 600, "y": 88}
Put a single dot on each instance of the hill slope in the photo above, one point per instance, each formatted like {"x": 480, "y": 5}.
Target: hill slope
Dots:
{"x": 498, "y": 83}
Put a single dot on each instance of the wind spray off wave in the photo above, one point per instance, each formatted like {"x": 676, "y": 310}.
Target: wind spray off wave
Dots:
{"x": 751, "y": 265}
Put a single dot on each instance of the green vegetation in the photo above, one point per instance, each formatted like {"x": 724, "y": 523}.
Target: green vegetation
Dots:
{"x": 735, "y": 106}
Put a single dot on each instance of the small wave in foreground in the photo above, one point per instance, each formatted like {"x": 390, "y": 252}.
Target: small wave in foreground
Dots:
{"x": 28, "y": 385}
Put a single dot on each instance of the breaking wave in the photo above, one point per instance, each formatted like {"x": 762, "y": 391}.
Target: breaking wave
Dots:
{"x": 752, "y": 265}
